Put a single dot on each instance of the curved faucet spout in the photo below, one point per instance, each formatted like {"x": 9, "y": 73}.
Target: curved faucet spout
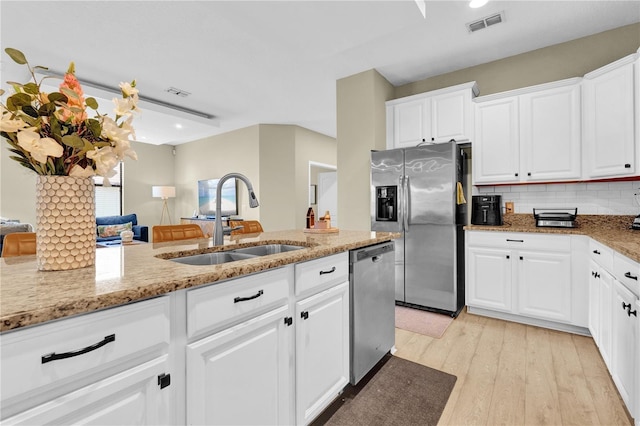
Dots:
{"x": 218, "y": 234}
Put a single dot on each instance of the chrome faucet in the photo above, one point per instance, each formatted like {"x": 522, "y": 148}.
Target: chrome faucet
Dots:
{"x": 218, "y": 232}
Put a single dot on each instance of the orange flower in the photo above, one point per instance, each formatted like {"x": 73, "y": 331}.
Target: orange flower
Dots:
{"x": 76, "y": 110}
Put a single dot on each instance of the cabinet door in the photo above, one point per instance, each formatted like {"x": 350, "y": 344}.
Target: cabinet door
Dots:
{"x": 605, "y": 282}
{"x": 496, "y": 150}
{"x": 544, "y": 285}
{"x": 411, "y": 123}
{"x": 131, "y": 397}
{"x": 489, "y": 279}
{"x": 594, "y": 301}
{"x": 322, "y": 350}
{"x": 550, "y": 134}
{"x": 624, "y": 358}
{"x": 609, "y": 115}
{"x": 451, "y": 116}
{"x": 241, "y": 375}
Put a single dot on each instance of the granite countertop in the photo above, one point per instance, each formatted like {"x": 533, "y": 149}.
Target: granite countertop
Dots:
{"x": 135, "y": 272}
{"x": 612, "y": 231}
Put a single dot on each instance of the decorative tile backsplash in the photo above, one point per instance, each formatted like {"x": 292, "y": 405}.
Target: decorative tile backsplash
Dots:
{"x": 616, "y": 198}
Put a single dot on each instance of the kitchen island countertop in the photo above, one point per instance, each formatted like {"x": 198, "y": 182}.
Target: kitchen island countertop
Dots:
{"x": 136, "y": 272}
{"x": 611, "y": 230}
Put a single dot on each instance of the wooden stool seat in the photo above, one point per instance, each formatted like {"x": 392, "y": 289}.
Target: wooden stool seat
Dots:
{"x": 162, "y": 233}
{"x": 19, "y": 244}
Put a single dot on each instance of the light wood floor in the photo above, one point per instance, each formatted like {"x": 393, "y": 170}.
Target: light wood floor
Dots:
{"x": 514, "y": 374}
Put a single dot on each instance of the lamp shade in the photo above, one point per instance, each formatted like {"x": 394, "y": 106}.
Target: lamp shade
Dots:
{"x": 163, "y": 192}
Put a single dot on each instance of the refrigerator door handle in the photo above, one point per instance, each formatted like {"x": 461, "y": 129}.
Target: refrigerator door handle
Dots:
{"x": 401, "y": 211}
{"x": 407, "y": 203}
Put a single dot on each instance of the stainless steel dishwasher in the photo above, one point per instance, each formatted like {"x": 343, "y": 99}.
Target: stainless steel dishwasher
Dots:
{"x": 372, "y": 292}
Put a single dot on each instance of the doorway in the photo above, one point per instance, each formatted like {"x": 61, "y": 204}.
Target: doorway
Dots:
{"x": 323, "y": 180}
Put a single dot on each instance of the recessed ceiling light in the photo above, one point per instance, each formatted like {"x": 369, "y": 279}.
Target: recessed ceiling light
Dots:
{"x": 178, "y": 126}
{"x": 477, "y": 3}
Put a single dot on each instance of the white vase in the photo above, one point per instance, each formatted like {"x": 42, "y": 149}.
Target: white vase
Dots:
{"x": 65, "y": 222}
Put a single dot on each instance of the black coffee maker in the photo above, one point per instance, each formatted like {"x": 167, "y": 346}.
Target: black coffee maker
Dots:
{"x": 486, "y": 210}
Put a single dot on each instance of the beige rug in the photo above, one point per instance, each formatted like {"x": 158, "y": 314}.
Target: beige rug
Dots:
{"x": 422, "y": 322}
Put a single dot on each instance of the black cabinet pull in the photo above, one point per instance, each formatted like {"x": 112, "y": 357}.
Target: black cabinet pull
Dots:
{"x": 508, "y": 257}
{"x": 516, "y": 175}
{"x": 597, "y": 275}
{"x": 304, "y": 315}
{"x": 626, "y": 305}
{"x": 328, "y": 272}
{"x": 515, "y": 241}
{"x": 288, "y": 320}
{"x": 596, "y": 252}
{"x": 521, "y": 258}
{"x": 633, "y": 277}
{"x": 634, "y": 313}
{"x": 529, "y": 174}
{"x": 164, "y": 380}
{"x": 54, "y": 356}
{"x": 627, "y": 166}
{"x": 244, "y": 299}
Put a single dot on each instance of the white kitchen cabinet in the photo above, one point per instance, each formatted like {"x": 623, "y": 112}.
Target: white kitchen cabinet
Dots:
{"x": 496, "y": 145}
{"x": 433, "y": 117}
{"x": 550, "y": 134}
{"x": 524, "y": 277}
{"x": 544, "y": 284}
{"x": 606, "y": 316}
{"x": 322, "y": 350}
{"x": 102, "y": 367}
{"x": 609, "y": 117}
{"x": 135, "y": 396}
{"x": 594, "y": 301}
{"x": 489, "y": 270}
{"x": 241, "y": 374}
{"x": 624, "y": 344}
{"x": 528, "y": 135}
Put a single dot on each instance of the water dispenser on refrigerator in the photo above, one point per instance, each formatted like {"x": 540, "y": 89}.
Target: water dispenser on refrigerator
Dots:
{"x": 387, "y": 203}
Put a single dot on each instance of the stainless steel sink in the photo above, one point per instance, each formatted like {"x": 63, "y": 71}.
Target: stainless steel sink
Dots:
{"x": 213, "y": 258}
{"x": 244, "y": 253}
{"x": 267, "y": 249}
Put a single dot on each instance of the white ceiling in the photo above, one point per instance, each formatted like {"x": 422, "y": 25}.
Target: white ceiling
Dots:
{"x": 275, "y": 62}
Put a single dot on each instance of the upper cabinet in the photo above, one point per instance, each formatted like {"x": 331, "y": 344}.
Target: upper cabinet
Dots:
{"x": 528, "y": 135}
{"x": 431, "y": 117}
{"x": 609, "y": 120}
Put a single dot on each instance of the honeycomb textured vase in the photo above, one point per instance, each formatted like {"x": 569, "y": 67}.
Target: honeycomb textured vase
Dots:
{"x": 65, "y": 223}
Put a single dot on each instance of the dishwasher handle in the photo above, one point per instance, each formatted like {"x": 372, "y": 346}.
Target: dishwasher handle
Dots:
{"x": 374, "y": 252}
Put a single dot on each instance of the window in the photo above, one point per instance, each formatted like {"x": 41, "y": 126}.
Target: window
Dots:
{"x": 109, "y": 198}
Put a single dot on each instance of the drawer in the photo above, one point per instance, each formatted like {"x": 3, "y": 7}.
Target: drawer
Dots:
{"x": 601, "y": 254}
{"x": 519, "y": 240}
{"x": 230, "y": 302}
{"x": 627, "y": 272}
{"x": 139, "y": 330}
{"x": 322, "y": 273}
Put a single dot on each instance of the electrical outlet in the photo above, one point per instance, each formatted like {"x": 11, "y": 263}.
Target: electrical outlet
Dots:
{"x": 508, "y": 207}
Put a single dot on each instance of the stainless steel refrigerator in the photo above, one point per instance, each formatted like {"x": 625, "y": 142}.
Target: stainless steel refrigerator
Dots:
{"x": 420, "y": 193}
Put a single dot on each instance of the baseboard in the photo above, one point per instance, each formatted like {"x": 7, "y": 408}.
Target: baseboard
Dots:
{"x": 529, "y": 321}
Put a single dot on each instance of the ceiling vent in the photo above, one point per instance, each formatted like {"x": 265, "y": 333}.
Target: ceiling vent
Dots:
{"x": 485, "y": 22}
{"x": 177, "y": 92}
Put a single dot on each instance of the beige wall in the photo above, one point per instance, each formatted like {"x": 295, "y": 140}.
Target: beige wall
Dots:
{"x": 565, "y": 60}
{"x": 361, "y": 128}
{"x": 212, "y": 158}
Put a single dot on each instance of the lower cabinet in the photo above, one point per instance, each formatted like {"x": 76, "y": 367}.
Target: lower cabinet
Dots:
{"x": 523, "y": 276}
{"x": 625, "y": 334}
{"x": 135, "y": 396}
{"x": 322, "y": 350}
{"x": 241, "y": 375}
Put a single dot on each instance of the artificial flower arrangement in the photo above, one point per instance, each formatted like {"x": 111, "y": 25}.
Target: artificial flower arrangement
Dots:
{"x": 52, "y": 133}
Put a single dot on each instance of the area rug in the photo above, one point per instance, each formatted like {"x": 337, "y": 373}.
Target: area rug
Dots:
{"x": 400, "y": 393}
{"x": 422, "y": 322}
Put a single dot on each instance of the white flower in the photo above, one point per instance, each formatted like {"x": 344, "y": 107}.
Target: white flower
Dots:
{"x": 128, "y": 127}
{"x": 122, "y": 148}
{"x": 10, "y": 125}
{"x": 39, "y": 148}
{"x": 79, "y": 171}
{"x": 128, "y": 90}
{"x": 126, "y": 106}
{"x": 111, "y": 130}
{"x": 105, "y": 160}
